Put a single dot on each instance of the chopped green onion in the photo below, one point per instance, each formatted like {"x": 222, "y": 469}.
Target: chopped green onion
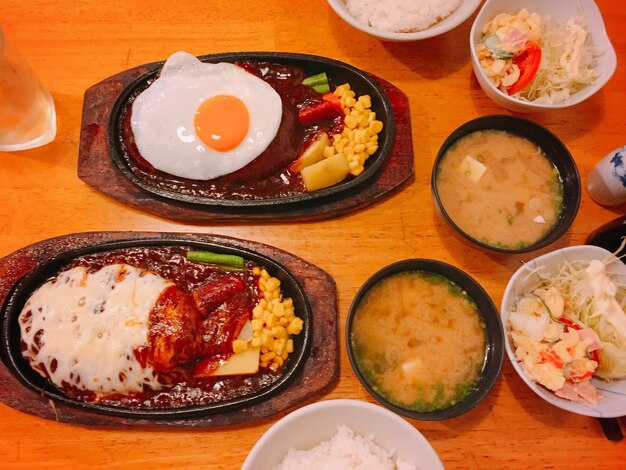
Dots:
{"x": 322, "y": 89}
{"x": 217, "y": 258}
{"x": 313, "y": 80}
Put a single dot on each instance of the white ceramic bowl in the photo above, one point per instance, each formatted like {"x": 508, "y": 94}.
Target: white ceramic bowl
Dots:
{"x": 463, "y": 12}
{"x": 613, "y": 403}
{"x": 559, "y": 11}
{"x": 307, "y": 427}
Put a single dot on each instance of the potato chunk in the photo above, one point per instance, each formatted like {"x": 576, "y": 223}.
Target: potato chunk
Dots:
{"x": 326, "y": 172}
{"x": 313, "y": 153}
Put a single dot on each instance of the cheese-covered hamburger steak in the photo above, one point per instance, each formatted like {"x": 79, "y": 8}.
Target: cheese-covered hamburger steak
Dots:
{"x": 109, "y": 331}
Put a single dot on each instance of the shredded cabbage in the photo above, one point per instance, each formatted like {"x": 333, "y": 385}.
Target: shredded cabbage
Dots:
{"x": 574, "y": 282}
{"x": 567, "y": 63}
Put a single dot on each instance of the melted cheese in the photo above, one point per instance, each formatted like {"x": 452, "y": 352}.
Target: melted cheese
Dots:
{"x": 91, "y": 323}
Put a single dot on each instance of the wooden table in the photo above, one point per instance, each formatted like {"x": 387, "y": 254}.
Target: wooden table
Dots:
{"x": 73, "y": 45}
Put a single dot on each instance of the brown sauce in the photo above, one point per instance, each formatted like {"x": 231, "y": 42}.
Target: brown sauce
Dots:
{"x": 267, "y": 176}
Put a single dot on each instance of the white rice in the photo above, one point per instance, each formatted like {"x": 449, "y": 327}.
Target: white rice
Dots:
{"x": 345, "y": 451}
{"x": 401, "y": 16}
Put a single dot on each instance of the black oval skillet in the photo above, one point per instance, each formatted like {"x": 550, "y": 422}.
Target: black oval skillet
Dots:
{"x": 10, "y": 335}
{"x": 338, "y": 72}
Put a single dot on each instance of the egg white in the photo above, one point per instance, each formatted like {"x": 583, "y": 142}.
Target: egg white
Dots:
{"x": 162, "y": 117}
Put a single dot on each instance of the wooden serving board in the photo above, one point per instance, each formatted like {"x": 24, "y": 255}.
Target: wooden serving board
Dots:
{"x": 97, "y": 169}
{"x": 319, "y": 373}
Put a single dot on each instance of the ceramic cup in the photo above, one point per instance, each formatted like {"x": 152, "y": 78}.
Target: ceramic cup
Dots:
{"x": 606, "y": 183}
{"x": 27, "y": 114}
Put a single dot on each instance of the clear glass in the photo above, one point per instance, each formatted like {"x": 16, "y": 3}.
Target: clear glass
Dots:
{"x": 27, "y": 114}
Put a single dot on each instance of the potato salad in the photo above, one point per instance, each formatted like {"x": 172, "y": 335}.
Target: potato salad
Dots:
{"x": 570, "y": 328}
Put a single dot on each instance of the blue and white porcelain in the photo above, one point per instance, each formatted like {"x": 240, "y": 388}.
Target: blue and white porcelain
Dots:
{"x": 606, "y": 183}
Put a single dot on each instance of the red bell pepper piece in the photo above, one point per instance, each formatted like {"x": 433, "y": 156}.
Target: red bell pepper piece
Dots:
{"x": 319, "y": 111}
{"x": 569, "y": 323}
{"x": 334, "y": 99}
{"x": 528, "y": 60}
{"x": 593, "y": 355}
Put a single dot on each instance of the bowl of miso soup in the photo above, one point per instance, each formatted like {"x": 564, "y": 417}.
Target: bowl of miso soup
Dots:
{"x": 425, "y": 339}
{"x": 506, "y": 184}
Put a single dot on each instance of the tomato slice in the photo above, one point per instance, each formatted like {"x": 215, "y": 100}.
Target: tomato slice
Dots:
{"x": 528, "y": 60}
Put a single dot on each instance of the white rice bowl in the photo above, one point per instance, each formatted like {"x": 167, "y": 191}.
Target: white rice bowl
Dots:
{"x": 462, "y": 12}
{"x": 307, "y": 427}
{"x": 401, "y": 16}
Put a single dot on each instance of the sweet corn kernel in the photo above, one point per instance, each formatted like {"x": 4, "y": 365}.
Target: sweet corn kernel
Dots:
{"x": 328, "y": 151}
{"x": 255, "y": 342}
{"x": 295, "y": 326}
{"x": 365, "y": 100}
{"x": 289, "y": 347}
{"x": 257, "y": 311}
{"x": 268, "y": 356}
{"x": 278, "y": 310}
{"x": 376, "y": 126}
{"x": 256, "y": 324}
{"x": 256, "y": 271}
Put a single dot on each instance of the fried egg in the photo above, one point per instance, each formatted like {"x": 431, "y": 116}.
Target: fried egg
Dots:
{"x": 200, "y": 120}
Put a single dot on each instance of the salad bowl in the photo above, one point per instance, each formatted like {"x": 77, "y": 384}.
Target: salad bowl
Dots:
{"x": 612, "y": 403}
{"x": 604, "y": 53}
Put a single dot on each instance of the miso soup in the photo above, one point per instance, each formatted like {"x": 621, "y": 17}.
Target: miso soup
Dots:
{"x": 500, "y": 189}
{"x": 420, "y": 340}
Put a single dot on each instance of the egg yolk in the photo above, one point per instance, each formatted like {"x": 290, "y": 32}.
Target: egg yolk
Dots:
{"x": 222, "y": 122}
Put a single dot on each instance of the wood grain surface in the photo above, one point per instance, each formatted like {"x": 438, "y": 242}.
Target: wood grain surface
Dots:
{"x": 73, "y": 45}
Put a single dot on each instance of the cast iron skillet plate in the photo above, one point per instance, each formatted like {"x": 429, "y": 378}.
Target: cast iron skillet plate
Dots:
{"x": 10, "y": 335}
{"x": 338, "y": 73}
